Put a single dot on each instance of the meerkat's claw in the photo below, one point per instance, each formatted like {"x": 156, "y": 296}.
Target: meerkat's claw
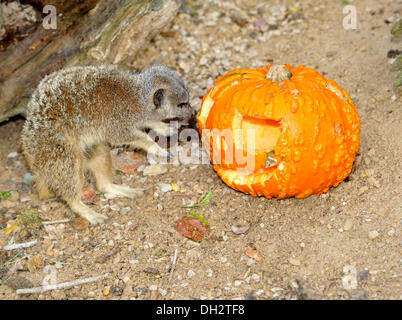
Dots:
{"x": 97, "y": 219}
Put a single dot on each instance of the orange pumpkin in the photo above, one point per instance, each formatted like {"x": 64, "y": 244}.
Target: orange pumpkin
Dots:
{"x": 305, "y": 130}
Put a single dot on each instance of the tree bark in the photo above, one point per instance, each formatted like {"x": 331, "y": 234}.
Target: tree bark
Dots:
{"x": 88, "y": 32}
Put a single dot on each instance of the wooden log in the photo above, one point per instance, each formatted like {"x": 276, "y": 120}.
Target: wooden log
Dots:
{"x": 88, "y": 32}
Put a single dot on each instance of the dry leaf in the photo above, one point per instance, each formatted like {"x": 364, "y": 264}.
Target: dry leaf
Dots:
{"x": 127, "y": 162}
{"x": 88, "y": 194}
{"x": 12, "y": 227}
{"x": 253, "y": 253}
{"x": 175, "y": 186}
{"x": 35, "y": 263}
{"x": 191, "y": 228}
{"x": 80, "y": 223}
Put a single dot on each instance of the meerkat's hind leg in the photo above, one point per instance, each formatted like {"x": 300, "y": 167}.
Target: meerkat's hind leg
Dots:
{"x": 66, "y": 177}
{"x": 100, "y": 164}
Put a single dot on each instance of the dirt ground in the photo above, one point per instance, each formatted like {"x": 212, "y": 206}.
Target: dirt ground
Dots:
{"x": 345, "y": 244}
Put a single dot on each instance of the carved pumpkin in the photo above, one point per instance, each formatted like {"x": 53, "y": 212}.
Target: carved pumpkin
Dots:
{"x": 305, "y": 129}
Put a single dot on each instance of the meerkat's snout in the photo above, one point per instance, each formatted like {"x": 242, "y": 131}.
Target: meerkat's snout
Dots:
{"x": 192, "y": 120}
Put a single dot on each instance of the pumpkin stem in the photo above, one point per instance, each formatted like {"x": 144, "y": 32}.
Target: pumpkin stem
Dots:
{"x": 278, "y": 73}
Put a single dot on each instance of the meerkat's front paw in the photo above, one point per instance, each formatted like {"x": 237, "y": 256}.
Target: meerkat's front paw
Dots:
{"x": 123, "y": 191}
{"x": 164, "y": 153}
{"x": 162, "y": 128}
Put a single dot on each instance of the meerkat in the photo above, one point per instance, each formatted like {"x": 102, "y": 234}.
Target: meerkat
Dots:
{"x": 77, "y": 113}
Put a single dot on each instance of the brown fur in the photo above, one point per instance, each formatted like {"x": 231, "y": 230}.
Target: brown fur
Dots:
{"x": 74, "y": 116}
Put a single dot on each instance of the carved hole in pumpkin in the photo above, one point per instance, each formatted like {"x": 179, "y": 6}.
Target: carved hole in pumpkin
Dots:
{"x": 267, "y": 132}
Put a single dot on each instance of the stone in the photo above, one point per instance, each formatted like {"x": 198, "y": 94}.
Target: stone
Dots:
{"x": 155, "y": 169}
{"x": 240, "y": 229}
{"x": 165, "y": 187}
{"x": 125, "y": 209}
{"x": 348, "y": 225}
{"x": 28, "y": 178}
{"x": 12, "y": 155}
{"x": 294, "y": 261}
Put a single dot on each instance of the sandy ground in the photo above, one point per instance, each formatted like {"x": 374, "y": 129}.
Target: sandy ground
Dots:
{"x": 345, "y": 244}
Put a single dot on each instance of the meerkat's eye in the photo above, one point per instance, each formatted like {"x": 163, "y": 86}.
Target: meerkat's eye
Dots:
{"x": 183, "y": 105}
{"x": 158, "y": 97}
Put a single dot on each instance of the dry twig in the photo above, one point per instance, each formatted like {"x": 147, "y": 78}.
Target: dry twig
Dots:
{"x": 60, "y": 285}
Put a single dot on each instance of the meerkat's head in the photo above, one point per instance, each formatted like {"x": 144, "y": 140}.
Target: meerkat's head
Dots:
{"x": 167, "y": 95}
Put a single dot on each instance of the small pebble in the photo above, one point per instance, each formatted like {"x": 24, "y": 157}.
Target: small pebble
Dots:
{"x": 348, "y": 225}
{"x": 260, "y": 292}
{"x": 358, "y": 296}
{"x": 373, "y": 234}
{"x": 109, "y": 196}
{"x": 294, "y": 261}
{"x": 255, "y": 277}
{"x": 165, "y": 187}
{"x": 240, "y": 229}
{"x": 163, "y": 292}
{"x": 28, "y": 178}
{"x": 250, "y": 261}
{"x": 331, "y": 54}
{"x": 155, "y": 169}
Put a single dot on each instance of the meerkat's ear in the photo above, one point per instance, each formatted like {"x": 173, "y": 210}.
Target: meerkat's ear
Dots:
{"x": 158, "y": 97}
